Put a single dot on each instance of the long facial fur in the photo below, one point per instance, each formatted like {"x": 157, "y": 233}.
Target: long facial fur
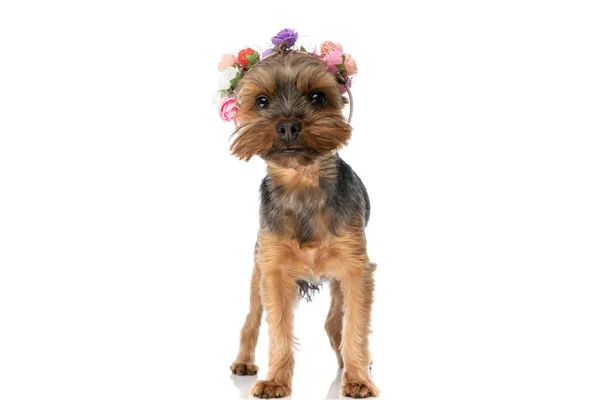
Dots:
{"x": 288, "y": 80}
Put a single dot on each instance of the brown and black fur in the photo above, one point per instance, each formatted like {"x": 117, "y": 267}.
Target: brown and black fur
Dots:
{"x": 313, "y": 213}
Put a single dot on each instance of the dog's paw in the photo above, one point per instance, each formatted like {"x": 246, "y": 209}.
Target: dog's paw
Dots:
{"x": 270, "y": 390}
{"x": 360, "y": 390}
{"x": 242, "y": 368}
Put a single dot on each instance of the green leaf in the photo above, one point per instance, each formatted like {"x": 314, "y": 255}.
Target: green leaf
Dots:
{"x": 236, "y": 80}
{"x": 341, "y": 67}
{"x": 303, "y": 49}
{"x": 252, "y": 58}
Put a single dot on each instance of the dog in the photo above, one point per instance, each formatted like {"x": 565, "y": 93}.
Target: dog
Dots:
{"x": 313, "y": 212}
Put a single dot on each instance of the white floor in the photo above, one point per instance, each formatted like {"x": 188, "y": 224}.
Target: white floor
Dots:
{"x": 244, "y": 383}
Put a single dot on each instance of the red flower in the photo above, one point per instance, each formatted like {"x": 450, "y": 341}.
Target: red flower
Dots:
{"x": 247, "y": 58}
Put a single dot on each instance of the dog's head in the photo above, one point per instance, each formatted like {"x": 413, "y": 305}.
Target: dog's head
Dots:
{"x": 290, "y": 110}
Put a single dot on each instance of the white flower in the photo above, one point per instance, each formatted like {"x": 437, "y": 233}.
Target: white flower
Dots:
{"x": 225, "y": 79}
{"x": 216, "y": 99}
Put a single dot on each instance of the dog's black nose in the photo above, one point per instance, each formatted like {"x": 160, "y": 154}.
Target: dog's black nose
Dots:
{"x": 288, "y": 130}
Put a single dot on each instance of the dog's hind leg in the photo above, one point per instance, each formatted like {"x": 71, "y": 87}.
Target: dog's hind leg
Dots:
{"x": 335, "y": 319}
{"x": 244, "y": 363}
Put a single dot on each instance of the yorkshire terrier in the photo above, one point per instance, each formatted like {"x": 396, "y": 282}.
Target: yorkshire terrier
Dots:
{"x": 313, "y": 213}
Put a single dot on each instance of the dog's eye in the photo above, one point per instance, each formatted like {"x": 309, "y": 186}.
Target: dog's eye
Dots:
{"x": 261, "y": 102}
{"x": 318, "y": 99}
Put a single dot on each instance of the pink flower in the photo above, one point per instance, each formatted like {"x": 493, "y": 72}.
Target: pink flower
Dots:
{"x": 344, "y": 87}
{"x": 328, "y": 46}
{"x": 350, "y": 65}
{"x": 226, "y": 61}
{"x": 333, "y": 59}
{"x": 228, "y": 109}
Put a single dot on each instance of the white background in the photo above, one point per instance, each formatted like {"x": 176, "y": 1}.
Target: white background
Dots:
{"x": 127, "y": 229}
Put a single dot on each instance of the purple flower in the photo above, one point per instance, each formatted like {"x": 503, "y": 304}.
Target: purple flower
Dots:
{"x": 285, "y": 37}
{"x": 267, "y": 52}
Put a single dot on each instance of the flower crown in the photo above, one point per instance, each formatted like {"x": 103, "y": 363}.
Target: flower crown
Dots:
{"x": 233, "y": 68}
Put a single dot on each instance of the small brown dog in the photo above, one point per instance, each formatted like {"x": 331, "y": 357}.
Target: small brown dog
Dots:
{"x": 313, "y": 214}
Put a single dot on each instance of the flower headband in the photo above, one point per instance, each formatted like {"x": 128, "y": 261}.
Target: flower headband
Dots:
{"x": 233, "y": 68}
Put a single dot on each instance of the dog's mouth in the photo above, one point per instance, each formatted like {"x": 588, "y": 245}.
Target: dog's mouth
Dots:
{"x": 293, "y": 149}
{"x": 284, "y": 153}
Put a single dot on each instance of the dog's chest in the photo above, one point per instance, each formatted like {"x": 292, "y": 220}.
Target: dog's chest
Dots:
{"x": 295, "y": 206}
{"x": 303, "y": 218}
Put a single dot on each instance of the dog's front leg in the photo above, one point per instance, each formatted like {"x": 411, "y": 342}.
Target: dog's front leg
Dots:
{"x": 278, "y": 289}
{"x": 357, "y": 286}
